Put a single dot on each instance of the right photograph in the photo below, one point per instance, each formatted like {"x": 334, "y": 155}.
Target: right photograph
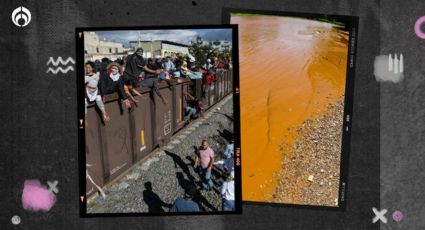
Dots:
{"x": 296, "y": 88}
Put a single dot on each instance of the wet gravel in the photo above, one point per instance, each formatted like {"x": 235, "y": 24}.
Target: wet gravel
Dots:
{"x": 154, "y": 184}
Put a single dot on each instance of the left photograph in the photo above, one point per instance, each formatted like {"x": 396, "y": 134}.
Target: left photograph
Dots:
{"x": 158, "y": 120}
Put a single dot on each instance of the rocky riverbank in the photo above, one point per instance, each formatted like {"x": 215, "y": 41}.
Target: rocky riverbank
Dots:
{"x": 311, "y": 164}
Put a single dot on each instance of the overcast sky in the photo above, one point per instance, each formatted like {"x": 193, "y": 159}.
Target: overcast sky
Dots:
{"x": 184, "y": 36}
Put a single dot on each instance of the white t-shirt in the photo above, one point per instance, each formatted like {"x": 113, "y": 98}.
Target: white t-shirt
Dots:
{"x": 93, "y": 96}
{"x": 228, "y": 190}
{"x": 94, "y": 76}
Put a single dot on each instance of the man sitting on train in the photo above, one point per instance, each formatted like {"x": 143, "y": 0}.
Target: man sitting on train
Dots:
{"x": 193, "y": 108}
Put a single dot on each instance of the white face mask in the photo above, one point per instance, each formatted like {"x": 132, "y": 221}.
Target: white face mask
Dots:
{"x": 114, "y": 71}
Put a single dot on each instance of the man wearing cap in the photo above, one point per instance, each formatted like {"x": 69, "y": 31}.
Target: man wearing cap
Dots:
{"x": 135, "y": 65}
{"x": 186, "y": 204}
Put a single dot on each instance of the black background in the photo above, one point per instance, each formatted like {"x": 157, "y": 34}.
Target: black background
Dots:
{"x": 39, "y": 112}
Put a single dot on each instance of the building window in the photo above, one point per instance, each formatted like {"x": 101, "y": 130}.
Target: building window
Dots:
{"x": 116, "y": 50}
{"x": 97, "y": 49}
{"x": 110, "y": 50}
{"x": 85, "y": 51}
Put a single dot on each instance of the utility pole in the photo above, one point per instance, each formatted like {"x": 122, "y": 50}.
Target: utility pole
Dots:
{"x": 151, "y": 47}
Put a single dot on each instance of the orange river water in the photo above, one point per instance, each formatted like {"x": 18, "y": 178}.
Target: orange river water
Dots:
{"x": 290, "y": 70}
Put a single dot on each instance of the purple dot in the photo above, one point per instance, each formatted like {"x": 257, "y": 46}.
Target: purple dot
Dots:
{"x": 397, "y": 216}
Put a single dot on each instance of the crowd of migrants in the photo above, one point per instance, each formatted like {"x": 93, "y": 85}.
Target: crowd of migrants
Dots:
{"x": 124, "y": 76}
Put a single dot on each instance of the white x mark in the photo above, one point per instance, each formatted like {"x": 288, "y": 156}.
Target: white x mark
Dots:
{"x": 52, "y": 186}
{"x": 379, "y": 215}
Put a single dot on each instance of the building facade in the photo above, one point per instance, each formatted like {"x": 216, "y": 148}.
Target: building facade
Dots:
{"x": 160, "y": 47}
{"x": 96, "y": 49}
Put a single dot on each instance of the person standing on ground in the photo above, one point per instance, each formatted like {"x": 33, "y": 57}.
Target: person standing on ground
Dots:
{"x": 205, "y": 160}
{"x": 229, "y": 149}
{"x": 228, "y": 193}
{"x": 229, "y": 160}
{"x": 186, "y": 204}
